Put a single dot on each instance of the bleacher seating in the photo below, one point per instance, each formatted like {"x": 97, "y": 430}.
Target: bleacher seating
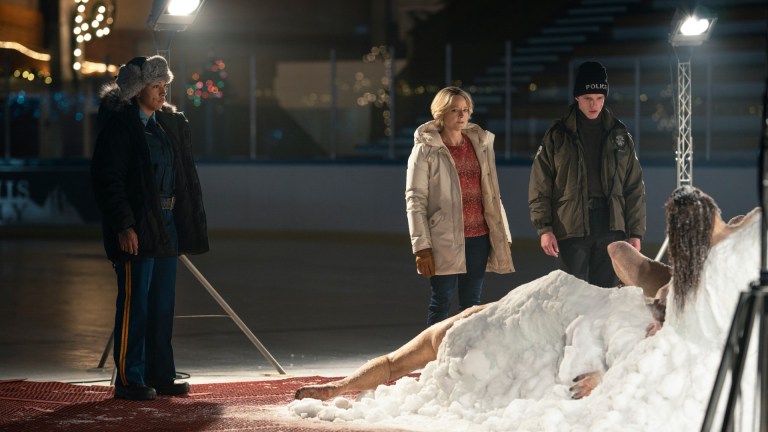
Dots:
{"x": 631, "y": 38}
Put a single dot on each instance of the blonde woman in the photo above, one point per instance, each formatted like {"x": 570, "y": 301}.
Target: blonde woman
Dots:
{"x": 457, "y": 223}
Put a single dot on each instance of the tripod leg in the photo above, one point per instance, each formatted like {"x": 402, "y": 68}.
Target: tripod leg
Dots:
{"x": 762, "y": 358}
{"x": 755, "y": 307}
{"x": 662, "y": 249}
{"x": 107, "y": 349}
{"x": 731, "y": 357}
{"x": 231, "y": 313}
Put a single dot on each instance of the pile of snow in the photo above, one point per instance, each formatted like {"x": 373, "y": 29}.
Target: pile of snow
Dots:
{"x": 509, "y": 367}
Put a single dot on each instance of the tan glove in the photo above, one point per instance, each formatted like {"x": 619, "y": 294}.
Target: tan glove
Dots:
{"x": 425, "y": 264}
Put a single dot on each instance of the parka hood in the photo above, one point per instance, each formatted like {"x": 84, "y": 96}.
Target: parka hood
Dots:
{"x": 428, "y": 134}
{"x": 111, "y": 99}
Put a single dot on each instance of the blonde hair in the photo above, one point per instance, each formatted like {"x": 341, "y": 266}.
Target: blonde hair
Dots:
{"x": 443, "y": 100}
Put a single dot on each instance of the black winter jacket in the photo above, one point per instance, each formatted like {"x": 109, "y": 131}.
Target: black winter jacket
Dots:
{"x": 557, "y": 190}
{"x": 124, "y": 185}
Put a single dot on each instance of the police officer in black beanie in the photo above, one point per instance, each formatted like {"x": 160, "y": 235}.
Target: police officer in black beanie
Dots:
{"x": 586, "y": 187}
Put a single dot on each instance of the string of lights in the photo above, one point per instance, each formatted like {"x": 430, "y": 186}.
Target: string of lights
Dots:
{"x": 89, "y": 21}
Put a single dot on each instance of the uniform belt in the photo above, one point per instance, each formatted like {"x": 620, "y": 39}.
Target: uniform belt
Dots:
{"x": 168, "y": 203}
{"x": 598, "y": 203}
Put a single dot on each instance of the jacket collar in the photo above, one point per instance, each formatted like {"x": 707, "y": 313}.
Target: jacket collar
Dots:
{"x": 111, "y": 101}
{"x": 429, "y": 135}
{"x": 607, "y": 117}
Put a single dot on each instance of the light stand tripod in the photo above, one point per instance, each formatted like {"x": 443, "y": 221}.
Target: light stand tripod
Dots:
{"x": 684, "y": 151}
{"x": 751, "y": 311}
{"x": 231, "y": 313}
{"x": 688, "y": 31}
{"x": 220, "y": 300}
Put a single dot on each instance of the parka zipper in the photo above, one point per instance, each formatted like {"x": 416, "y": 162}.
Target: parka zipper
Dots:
{"x": 457, "y": 235}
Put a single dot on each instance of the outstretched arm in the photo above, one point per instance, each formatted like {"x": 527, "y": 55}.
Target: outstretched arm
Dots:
{"x": 415, "y": 354}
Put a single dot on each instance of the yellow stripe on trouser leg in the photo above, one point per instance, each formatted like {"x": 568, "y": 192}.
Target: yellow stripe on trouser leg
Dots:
{"x": 126, "y": 319}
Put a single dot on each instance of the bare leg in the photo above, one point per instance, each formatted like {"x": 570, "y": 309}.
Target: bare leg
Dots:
{"x": 634, "y": 268}
{"x": 415, "y": 354}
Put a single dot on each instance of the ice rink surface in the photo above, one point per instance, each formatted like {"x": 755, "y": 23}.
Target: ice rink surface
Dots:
{"x": 320, "y": 304}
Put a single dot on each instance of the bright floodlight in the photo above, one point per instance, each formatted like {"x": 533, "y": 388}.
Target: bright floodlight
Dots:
{"x": 690, "y": 30}
{"x": 694, "y": 26}
{"x": 182, "y": 7}
{"x": 173, "y": 15}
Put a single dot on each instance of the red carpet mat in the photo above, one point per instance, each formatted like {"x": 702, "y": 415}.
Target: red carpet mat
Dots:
{"x": 244, "y": 406}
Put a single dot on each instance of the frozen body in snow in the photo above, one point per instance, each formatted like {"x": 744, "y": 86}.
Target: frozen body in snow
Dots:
{"x": 509, "y": 366}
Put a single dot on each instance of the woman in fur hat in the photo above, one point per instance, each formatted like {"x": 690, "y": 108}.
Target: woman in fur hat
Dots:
{"x": 148, "y": 191}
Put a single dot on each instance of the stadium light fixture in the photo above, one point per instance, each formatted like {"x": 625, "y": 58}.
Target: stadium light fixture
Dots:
{"x": 691, "y": 29}
{"x": 688, "y": 31}
{"x": 173, "y": 15}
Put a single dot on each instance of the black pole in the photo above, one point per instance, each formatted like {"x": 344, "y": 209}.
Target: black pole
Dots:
{"x": 751, "y": 308}
{"x": 763, "y": 194}
{"x": 762, "y": 185}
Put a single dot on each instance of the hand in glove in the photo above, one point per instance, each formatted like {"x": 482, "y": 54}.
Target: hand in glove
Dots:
{"x": 425, "y": 264}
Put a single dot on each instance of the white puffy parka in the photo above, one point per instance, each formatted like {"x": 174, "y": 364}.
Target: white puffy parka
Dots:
{"x": 433, "y": 201}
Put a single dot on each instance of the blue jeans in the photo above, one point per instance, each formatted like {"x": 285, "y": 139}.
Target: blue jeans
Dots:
{"x": 476, "y": 250}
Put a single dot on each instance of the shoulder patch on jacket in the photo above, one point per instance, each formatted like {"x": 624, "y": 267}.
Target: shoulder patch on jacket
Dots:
{"x": 621, "y": 143}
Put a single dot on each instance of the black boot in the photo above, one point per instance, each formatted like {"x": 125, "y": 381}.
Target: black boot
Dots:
{"x": 171, "y": 388}
{"x": 135, "y": 392}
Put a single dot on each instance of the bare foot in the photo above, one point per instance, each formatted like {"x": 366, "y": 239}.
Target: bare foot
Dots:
{"x": 318, "y": 391}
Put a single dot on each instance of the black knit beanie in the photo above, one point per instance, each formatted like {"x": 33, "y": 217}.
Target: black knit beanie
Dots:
{"x": 591, "y": 78}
